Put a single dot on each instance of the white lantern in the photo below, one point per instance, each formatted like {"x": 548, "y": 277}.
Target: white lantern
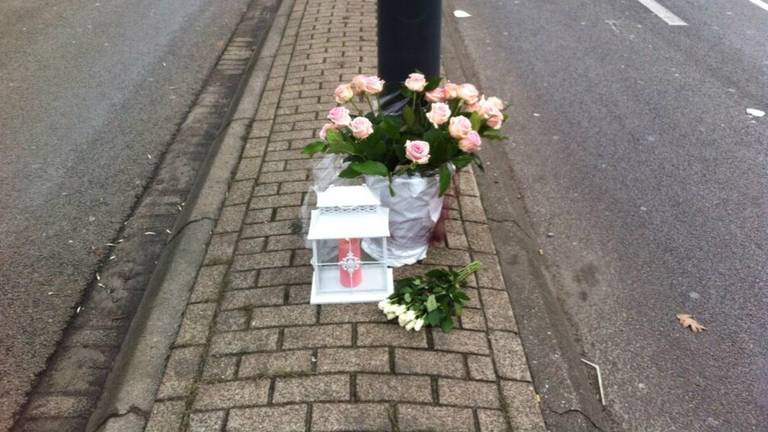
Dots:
{"x": 343, "y": 272}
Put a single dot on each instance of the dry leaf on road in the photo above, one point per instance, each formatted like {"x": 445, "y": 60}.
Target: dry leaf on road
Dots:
{"x": 688, "y": 321}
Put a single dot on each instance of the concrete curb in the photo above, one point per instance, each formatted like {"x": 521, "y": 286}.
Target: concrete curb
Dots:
{"x": 130, "y": 390}
{"x": 569, "y": 403}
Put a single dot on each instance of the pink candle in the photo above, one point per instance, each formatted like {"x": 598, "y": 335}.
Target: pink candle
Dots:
{"x": 350, "y": 273}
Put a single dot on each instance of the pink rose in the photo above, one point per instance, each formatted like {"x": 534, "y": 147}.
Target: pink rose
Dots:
{"x": 495, "y": 120}
{"x": 471, "y": 143}
{"x": 436, "y": 95}
{"x": 459, "y": 127}
{"x": 373, "y": 85}
{"x": 417, "y": 151}
{"x": 343, "y": 93}
{"x": 339, "y": 116}
{"x": 469, "y": 93}
{"x": 416, "y": 82}
{"x": 358, "y": 84}
{"x": 475, "y": 107}
{"x": 361, "y": 127}
{"x": 451, "y": 90}
{"x": 495, "y": 102}
{"x": 439, "y": 114}
{"x": 324, "y": 131}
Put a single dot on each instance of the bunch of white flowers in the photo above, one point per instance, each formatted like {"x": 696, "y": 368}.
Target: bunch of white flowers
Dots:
{"x": 405, "y": 317}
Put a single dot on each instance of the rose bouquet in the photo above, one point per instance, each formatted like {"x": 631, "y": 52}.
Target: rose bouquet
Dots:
{"x": 429, "y": 300}
{"x": 439, "y": 130}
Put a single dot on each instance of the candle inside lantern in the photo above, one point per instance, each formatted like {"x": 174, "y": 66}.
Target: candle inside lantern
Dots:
{"x": 350, "y": 273}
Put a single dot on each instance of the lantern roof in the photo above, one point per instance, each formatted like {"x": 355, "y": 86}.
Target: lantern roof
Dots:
{"x": 348, "y": 212}
{"x": 347, "y": 196}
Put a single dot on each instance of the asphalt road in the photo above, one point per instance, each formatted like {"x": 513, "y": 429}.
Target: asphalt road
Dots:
{"x": 90, "y": 95}
{"x": 630, "y": 140}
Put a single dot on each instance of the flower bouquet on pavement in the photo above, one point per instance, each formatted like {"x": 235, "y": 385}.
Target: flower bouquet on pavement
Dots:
{"x": 409, "y": 158}
{"x": 433, "y": 299}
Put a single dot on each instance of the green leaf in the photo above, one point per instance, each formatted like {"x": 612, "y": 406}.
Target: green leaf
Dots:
{"x": 370, "y": 167}
{"x": 432, "y": 83}
{"x": 431, "y": 303}
{"x": 447, "y": 324}
{"x": 408, "y": 297}
{"x": 409, "y": 116}
{"x": 477, "y": 120}
{"x": 349, "y": 172}
{"x": 434, "y": 317}
{"x": 314, "y": 147}
{"x": 445, "y": 178}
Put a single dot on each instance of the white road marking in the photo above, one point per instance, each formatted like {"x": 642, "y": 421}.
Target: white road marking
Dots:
{"x": 665, "y": 13}
{"x": 760, "y": 3}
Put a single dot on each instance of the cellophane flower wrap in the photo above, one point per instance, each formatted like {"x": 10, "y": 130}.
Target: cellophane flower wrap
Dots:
{"x": 439, "y": 130}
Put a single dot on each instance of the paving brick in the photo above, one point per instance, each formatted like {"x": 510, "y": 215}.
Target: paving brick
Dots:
{"x": 289, "y": 241}
{"x": 244, "y": 341}
{"x": 220, "y": 368}
{"x": 351, "y": 313}
{"x": 473, "y": 319}
{"x": 467, "y": 183}
{"x": 283, "y": 315}
{"x": 283, "y": 176}
{"x": 389, "y": 334}
{"x": 276, "y": 364}
{"x": 196, "y": 324}
{"x": 481, "y": 368}
{"x": 311, "y": 388}
{"x": 299, "y": 186}
{"x": 287, "y": 213}
{"x": 447, "y": 257}
{"x": 272, "y": 166}
{"x": 301, "y": 257}
{"x": 509, "y": 356}
{"x": 250, "y": 246}
{"x": 59, "y": 406}
{"x": 57, "y": 424}
{"x": 261, "y": 260}
{"x": 456, "y": 240}
{"x": 208, "y": 284}
{"x": 490, "y": 275}
{"x": 317, "y": 336}
{"x": 492, "y": 421}
{"x": 254, "y": 148}
{"x": 412, "y": 418}
{"x": 479, "y": 237}
{"x": 253, "y": 297}
{"x": 298, "y": 294}
{"x": 221, "y": 249}
{"x": 285, "y": 155}
{"x": 232, "y": 320}
{"x": 166, "y": 416}
{"x": 269, "y": 229}
{"x": 230, "y": 219}
{"x": 472, "y": 209}
{"x": 232, "y": 394}
{"x": 411, "y": 361}
{"x": 283, "y": 200}
{"x": 258, "y": 216}
{"x": 468, "y": 393}
{"x": 207, "y": 421}
{"x": 291, "y": 418}
{"x": 398, "y": 388}
{"x": 353, "y": 360}
{"x": 466, "y": 341}
{"x": 248, "y": 169}
{"x": 358, "y": 417}
{"x": 239, "y": 192}
{"x": 265, "y": 189}
{"x": 241, "y": 280}
{"x": 498, "y": 310}
{"x": 522, "y": 407}
{"x": 285, "y": 276}
{"x": 180, "y": 372}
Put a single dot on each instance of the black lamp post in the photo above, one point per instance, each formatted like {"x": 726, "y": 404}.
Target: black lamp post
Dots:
{"x": 409, "y": 41}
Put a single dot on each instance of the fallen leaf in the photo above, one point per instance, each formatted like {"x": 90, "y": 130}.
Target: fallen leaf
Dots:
{"x": 687, "y": 320}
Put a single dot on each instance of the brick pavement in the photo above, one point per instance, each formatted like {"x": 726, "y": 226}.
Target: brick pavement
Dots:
{"x": 252, "y": 355}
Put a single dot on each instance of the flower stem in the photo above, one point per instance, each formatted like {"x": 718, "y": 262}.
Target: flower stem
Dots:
{"x": 468, "y": 270}
{"x": 359, "y": 111}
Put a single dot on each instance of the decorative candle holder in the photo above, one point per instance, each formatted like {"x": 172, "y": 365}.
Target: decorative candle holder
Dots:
{"x": 343, "y": 272}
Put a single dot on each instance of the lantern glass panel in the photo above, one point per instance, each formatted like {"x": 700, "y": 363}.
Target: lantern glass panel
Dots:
{"x": 343, "y": 266}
